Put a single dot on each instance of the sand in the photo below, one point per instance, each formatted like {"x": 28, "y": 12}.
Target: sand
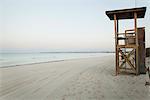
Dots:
{"x": 77, "y": 79}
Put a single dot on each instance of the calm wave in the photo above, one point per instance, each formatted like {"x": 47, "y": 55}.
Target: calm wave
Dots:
{"x": 14, "y": 59}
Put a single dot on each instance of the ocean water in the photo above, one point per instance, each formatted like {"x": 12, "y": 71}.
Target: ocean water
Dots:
{"x": 15, "y": 59}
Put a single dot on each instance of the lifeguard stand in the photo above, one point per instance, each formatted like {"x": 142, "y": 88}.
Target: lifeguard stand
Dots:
{"x": 130, "y": 45}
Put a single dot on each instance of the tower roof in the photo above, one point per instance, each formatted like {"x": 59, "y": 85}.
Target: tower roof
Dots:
{"x": 126, "y": 13}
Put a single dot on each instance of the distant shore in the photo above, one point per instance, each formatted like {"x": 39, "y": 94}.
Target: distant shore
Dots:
{"x": 76, "y": 79}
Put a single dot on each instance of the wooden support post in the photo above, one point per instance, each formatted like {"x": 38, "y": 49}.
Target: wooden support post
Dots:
{"x": 117, "y": 26}
{"x": 137, "y": 44}
{"x": 118, "y": 69}
{"x": 116, "y": 42}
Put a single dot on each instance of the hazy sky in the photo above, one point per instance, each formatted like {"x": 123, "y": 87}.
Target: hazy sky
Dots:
{"x": 62, "y": 24}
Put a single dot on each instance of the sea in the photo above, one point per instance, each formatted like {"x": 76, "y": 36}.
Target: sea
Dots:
{"x": 18, "y": 59}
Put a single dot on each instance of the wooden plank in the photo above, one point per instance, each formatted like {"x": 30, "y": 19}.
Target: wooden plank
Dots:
{"x": 126, "y": 46}
{"x": 126, "y": 33}
{"x": 126, "y": 68}
{"x": 128, "y": 56}
{"x": 129, "y": 30}
{"x": 141, "y": 49}
{"x": 128, "y": 61}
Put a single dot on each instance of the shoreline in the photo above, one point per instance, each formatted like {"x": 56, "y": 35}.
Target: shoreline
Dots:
{"x": 52, "y": 61}
{"x": 31, "y": 63}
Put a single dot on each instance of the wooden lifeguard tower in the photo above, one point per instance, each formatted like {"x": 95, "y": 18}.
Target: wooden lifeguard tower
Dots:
{"x": 130, "y": 44}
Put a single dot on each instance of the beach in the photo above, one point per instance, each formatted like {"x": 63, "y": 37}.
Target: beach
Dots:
{"x": 90, "y": 78}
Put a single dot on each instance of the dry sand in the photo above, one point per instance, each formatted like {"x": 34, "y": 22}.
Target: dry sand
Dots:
{"x": 78, "y": 79}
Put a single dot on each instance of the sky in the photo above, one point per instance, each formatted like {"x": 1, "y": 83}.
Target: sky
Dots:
{"x": 63, "y": 25}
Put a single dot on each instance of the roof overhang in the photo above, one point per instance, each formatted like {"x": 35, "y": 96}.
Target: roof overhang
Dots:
{"x": 126, "y": 13}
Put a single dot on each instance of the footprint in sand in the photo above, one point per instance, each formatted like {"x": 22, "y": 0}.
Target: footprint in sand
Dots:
{"x": 89, "y": 92}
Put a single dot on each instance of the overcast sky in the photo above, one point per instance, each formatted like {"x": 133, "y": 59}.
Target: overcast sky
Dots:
{"x": 62, "y": 25}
